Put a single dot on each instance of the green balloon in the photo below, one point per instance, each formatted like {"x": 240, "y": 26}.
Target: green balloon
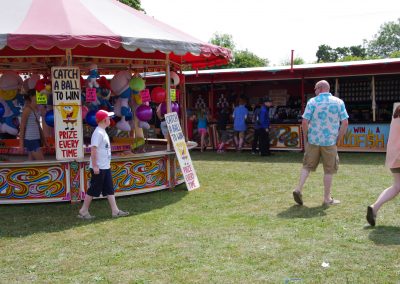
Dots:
{"x": 137, "y": 84}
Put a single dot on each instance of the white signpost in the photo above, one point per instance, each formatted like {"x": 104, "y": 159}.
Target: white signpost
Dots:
{"x": 66, "y": 88}
{"x": 181, "y": 150}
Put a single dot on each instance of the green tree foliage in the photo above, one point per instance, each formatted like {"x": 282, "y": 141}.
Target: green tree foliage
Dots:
{"x": 242, "y": 58}
{"x": 386, "y": 41}
{"x": 326, "y": 53}
{"x": 133, "y": 3}
{"x": 296, "y": 61}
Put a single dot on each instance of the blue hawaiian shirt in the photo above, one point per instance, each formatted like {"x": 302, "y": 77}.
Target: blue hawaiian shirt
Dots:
{"x": 324, "y": 113}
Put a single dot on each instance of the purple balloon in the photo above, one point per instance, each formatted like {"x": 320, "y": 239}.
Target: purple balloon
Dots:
{"x": 144, "y": 113}
{"x": 175, "y": 107}
{"x": 163, "y": 108}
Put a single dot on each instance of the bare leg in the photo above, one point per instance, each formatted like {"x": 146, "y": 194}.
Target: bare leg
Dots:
{"x": 113, "y": 204}
{"x": 327, "y": 187}
{"x": 86, "y": 204}
{"x": 388, "y": 194}
{"x": 304, "y": 173}
{"x": 202, "y": 142}
{"x": 235, "y": 138}
{"x": 38, "y": 155}
{"x": 240, "y": 142}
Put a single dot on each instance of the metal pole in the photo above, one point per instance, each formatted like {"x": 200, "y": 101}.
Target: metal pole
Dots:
{"x": 337, "y": 87}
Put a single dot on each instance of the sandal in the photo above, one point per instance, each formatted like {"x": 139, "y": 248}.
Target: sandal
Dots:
{"x": 371, "y": 217}
{"x": 331, "y": 202}
{"x": 298, "y": 197}
{"x": 120, "y": 214}
{"x": 86, "y": 216}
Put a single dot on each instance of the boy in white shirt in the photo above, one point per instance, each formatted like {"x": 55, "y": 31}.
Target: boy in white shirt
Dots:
{"x": 100, "y": 159}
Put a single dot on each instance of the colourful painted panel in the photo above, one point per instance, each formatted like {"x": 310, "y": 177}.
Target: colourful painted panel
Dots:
{"x": 34, "y": 183}
{"x": 365, "y": 138}
{"x": 136, "y": 175}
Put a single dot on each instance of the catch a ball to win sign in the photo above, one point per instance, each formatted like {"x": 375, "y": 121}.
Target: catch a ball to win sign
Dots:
{"x": 66, "y": 87}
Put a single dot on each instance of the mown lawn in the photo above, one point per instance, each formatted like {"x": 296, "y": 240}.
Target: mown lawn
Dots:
{"x": 241, "y": 226}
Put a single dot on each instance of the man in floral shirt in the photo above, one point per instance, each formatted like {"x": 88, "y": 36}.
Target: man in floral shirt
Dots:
{"x": 325, "y": 122}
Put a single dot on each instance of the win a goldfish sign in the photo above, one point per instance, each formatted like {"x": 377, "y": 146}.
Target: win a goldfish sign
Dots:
{"x": 181, "y": 150}
{"x": 66, "y": 88}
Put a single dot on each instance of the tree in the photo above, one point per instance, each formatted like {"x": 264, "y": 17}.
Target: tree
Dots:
{"x": 242, "y": 58}
{"x": 386, "y": 41}
{"x": 325, "y": 53}
{"x": 133, "y": 3}
{"x": 296, "y": 61}
{"x": 224, "y": 40}
{"x": 245, "y": 58}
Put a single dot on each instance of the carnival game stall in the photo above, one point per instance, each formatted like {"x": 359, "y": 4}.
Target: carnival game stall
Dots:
{"x": 369, "y": 89}
{"x": 64, "y": 57}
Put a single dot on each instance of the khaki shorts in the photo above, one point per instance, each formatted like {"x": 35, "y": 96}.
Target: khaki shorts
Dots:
{"x": 329, "y": 155}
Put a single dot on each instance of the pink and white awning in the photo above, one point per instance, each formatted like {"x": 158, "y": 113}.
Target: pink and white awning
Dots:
{"x": 102, "y": 28}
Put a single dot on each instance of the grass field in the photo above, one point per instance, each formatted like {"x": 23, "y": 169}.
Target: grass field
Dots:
{"x": 241, "y": 226}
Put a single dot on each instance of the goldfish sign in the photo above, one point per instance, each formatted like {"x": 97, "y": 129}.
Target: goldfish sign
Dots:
{"x": 67, "y": 112}
{"x": 181, "y": 150}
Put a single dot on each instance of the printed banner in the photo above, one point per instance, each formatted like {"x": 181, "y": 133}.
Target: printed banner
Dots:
{"x": 67, "y": 113}
{"x": 181, "y": 150}
{"x": 365, "y": 138}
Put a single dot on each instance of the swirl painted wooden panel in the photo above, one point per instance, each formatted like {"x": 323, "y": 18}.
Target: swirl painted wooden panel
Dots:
{"x": 136, "y": 175}
{"x": 30, "y": 183}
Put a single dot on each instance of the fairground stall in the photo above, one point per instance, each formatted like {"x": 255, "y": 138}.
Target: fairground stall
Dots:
{"x": 61, "y": 49}
{"x": 369, "y": 89}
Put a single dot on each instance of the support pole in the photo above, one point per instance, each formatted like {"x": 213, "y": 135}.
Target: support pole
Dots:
{"x": 373, "y": 99}
{"x": 68, "y": 56}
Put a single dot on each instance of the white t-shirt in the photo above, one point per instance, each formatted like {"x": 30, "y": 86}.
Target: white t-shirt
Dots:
{"x": 101, "y": 140}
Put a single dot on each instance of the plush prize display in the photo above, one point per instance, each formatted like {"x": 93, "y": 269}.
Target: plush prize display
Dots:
{"x": 93, "y": 76}
{"x": 120, "y": 87}
{"x": 103, "y": 94}
{"x": 10, "y": 85}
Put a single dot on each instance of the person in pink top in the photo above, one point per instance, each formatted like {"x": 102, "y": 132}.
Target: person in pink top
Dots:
{"x": 393, "y": 163}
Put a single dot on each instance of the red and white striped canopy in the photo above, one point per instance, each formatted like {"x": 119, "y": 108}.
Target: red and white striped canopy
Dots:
{"x": 97, "y": 28}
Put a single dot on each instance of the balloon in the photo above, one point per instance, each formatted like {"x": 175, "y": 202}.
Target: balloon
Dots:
{"x": 174, "y": 78}
{"x": 175, "y": 107}
{"x": 84, "y": 111}
{"x": 144, "y": 125}
{"x": 91, "y": 118}
{"x": 158, "y": 95}
{"x": 2, "y": 110}
{"x": 137, "y": 84}
{"x": 144, "y": 113}
{"x": 129, "y": 116}
{"x": 163, "y": 108}
{"x": 49, "y": 118}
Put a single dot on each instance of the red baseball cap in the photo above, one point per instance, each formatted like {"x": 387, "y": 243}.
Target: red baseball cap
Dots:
{"x": 102, "y": 114}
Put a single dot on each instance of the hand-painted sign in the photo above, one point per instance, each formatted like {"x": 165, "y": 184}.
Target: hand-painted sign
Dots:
{"x": 181, "y": 150}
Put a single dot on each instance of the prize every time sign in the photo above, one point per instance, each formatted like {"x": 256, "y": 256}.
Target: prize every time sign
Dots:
{"x": 66, "y": 89}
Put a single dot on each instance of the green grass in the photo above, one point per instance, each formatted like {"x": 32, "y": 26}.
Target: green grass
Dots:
{"x": 241, "y": 226}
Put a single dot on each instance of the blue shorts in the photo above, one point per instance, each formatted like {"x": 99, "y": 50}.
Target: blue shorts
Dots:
{"x": 101, "y": 183}
{"x": 32, "y": 145}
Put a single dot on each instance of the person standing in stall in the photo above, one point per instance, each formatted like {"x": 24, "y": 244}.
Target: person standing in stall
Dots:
{"x": 31, "y": 132}
{"x": 255, "y": 121}
{"x": 223, "y": 119}
{"x": 264, "y": 127}
{"x": 100, "y": 168}
{"x": 393, "y": 163}
{"x": 202, "y": 121}
{"x": 240, "y": 114}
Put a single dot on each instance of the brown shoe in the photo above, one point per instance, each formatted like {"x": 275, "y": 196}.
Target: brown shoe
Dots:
{"x": 298, "y": 197}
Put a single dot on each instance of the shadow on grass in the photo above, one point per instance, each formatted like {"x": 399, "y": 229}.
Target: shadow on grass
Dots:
{"x": 26, "y": 219}
{"x": 297, "y": 211}
{"x": 286, "y": 157}
{"x": 384, "y": 235}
